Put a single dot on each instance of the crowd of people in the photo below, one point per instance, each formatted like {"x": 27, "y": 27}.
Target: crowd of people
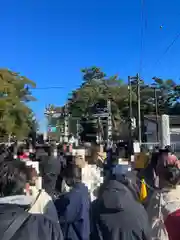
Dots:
{"x": 83, "y": 199}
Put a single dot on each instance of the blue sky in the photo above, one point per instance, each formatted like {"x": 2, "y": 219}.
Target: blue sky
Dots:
{"x": 50, "y": 41}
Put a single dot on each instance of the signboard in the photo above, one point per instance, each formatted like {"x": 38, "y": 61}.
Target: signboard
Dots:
{"x": 56, "y": 115}
{"x": 101, "y": 115}
{"x": 52, "y": 129}
{"x": 141, "y": 160}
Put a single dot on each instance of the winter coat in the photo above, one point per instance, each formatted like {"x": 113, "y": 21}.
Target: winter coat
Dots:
{"x": 92, "y": 178}
{"x": 73, "y": 213}
{"x": 43, "y": 204}
{"x": 116, "y": 215}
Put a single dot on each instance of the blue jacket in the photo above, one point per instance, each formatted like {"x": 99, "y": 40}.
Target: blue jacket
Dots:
{"x": 73, "y": 211}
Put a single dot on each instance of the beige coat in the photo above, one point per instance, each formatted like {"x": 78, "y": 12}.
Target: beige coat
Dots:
{"x": 162, "y": 204}
{"x": 43, "y": 204}
{"x": 91, "y": 175}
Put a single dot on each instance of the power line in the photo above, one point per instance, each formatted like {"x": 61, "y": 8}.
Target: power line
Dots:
{"x": 168, "y": 48}
{"x": 46, "y": 88}
{"x": 142, "y": 34}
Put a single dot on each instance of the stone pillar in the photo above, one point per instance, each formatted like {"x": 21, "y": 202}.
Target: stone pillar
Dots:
{"x": 165, "y": 131}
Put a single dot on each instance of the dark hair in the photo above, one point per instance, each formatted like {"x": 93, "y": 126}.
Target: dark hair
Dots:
{"x": 168, "y": 148}
{"x": 31, "y": 175}
{"x": 13, "y": 177}
{"x": 72, "y": 174}
{"x": 172, "y": 174}
{"x": 3, "y": 149}
{"x": 20, "y": 150}
{"x": 61, "y": 153}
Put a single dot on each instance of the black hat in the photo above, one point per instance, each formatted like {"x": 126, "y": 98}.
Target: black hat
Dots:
{"x": 166, "y": 149}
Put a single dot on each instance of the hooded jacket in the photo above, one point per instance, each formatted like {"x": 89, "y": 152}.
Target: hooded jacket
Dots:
{"x": 36, "y": 227}
{"x": 116, "y": 215}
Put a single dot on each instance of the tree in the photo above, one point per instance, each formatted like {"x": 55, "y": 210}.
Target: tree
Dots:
{"x": 15, "y": 115}
{"x": 97, "y": 88}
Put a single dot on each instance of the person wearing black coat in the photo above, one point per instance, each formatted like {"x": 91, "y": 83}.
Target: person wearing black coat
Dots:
{"x": 16, "y": 223}
{"x": 117, "y": 215}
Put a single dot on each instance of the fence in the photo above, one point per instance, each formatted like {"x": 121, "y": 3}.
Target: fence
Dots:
{"x": 150, "y": 145}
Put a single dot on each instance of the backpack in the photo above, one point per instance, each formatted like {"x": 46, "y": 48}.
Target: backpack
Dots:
{"x": 15, "y": 226}
{"x": 18, "y": 222}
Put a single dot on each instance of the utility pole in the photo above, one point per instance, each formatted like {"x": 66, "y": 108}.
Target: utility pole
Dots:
{"x": 156, "y": 111}
{"x": 77, "y": 131}
{"x": 155, "y": 88}
{"x": 109, "y": 123}
{"x": 130, "y": 117}
{"x": 130, "y": 107}
{"x": 139, "y": 109}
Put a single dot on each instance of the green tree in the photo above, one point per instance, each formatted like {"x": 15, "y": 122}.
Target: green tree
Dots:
{"x": 15, "y": 115}
{"x": 96, "y": 88}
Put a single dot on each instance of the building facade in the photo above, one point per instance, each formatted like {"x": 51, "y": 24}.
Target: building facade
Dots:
{"x": 151, "y": 129}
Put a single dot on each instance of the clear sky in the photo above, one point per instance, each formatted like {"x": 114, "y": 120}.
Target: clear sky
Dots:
{"x": 50, "y": 41}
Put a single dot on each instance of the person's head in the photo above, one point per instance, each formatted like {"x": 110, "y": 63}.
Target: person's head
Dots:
{"x": 163, "y": 152}
{"x": 110, "y": 137}
{"x": 14, "y": 175}
{"x": 70, "y": 135}
{"x": 168, "y": 148}
{"x": 21, "y": 150}
{"x": 124, "y": 175}
{"x": 11, "y": 149}
{"x": 79, "y": 160}
{"x": 72, "y": 174}
{"x": 172, "y": 175}
{"x": 32, "y": 175}
{"x": 61, "y": 153}
{"x": 2, "y": 148}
